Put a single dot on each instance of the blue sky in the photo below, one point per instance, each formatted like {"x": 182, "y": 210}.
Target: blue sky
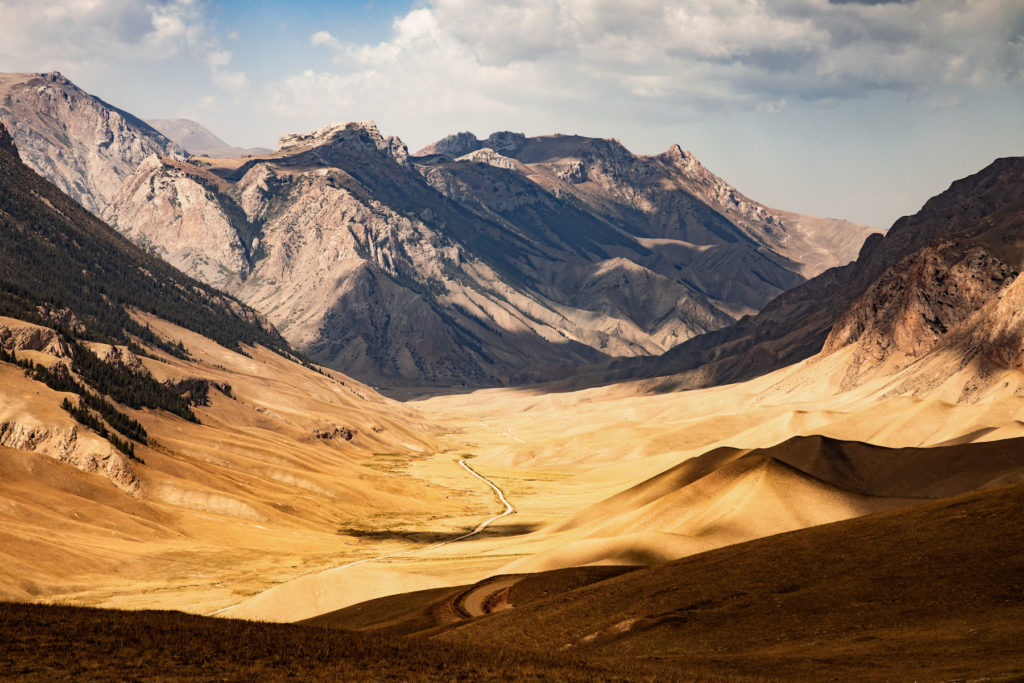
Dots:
{"x": 852, "y": 109}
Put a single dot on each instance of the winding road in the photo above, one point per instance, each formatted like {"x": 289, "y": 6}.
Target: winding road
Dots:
{"x": 479, "y": 528}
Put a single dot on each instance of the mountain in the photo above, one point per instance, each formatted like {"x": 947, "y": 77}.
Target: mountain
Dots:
{"x": 514, "y": 259}
{"x": 78, "y": 142}
{"x": 196, "y": 139}
{"x": 912, "y": 301}
{"x": 605, "y": 176}
{"x": 482, "y": 269}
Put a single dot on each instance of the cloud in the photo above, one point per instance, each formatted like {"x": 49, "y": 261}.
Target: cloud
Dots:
{"x": 651, "y": 58}
{"x": 61, "y": 32}
{"x": 232, "y": 81}
{"x": 99, "y": 37}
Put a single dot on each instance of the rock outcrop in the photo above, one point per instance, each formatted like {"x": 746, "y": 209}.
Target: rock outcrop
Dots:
{"x": 69, "y": 443}
{"x": 18, "y": 335}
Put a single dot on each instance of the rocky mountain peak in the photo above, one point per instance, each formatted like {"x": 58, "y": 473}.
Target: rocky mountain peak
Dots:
{"x": 341, "y": 135}
{"x": 57, "y": 78}
{"x": 504, "y": 142}
{"x": 486, "y": 155}
{"x": 454, "y": 145}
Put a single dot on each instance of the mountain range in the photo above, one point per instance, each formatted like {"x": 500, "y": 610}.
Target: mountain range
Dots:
{"x": 473, "y": 262}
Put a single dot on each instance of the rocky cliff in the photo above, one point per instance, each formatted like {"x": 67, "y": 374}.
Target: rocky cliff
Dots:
{"x": 77, "y": 141}
{"x": 948, "y": 313}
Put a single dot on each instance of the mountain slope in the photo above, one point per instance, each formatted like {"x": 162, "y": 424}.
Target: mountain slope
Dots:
{"x": 928, "y": 591}
{"x": 393, "y": 281}
{"x": 945, "y": 320}
{"x": 603, "y": 175}
{"x": 155, "y": 432}
{"x": 61, "y": 265}
{"x": 731, "y": 495}
{"x": 795, "y": 325}
{"x": 520, "y": 259}
{"x": 77, "y": 141}
{"x": 822, "y": 603}
{"x": 478, "y": 270}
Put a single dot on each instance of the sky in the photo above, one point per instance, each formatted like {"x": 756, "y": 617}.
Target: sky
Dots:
{"x": 856, "y": 109}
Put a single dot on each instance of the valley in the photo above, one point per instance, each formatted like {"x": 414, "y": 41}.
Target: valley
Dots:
{"x": 528, "y": 404}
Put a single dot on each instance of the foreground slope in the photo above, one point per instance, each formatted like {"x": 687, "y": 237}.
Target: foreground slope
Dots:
{"x": 930, "y": 592}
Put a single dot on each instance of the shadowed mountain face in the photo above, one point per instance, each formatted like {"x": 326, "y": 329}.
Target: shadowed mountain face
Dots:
{"x": 928, "y": 275}
{"x": 60, "y": 265}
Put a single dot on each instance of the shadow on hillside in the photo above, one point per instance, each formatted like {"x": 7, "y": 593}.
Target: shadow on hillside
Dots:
{"x": 426, "y": 537}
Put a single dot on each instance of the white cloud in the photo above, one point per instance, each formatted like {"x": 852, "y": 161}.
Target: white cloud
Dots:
{"x": 99, "y": 37}
{"x": 219, "y": 58}
{"x": 60, "y": 32}
{"x": 651, "y": 58}
{"x": 233, "y": 81}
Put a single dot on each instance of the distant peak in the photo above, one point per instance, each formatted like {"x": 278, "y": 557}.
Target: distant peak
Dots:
{"x": 505, "y": 142}
{"x": 454, "y": 145}
{"x": 56, "y": 77}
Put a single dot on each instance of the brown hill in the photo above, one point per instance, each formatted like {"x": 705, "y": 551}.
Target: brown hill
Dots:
{"x": 932, "y": 591}
{"x": 731, "y": 495}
